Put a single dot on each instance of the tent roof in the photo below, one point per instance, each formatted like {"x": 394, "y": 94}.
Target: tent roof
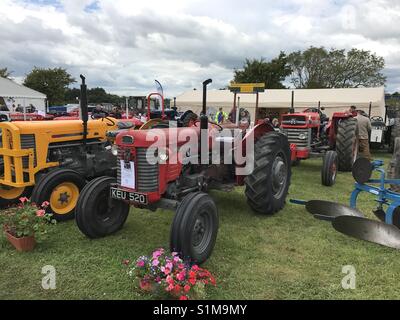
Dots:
{"x": 282, "y": 97}
{"x": 10, "y": 89}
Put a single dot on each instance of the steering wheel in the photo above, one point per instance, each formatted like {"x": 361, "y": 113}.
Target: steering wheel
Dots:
{"x": 377, "y": 118}
{"x": 214, "y": 123}
{"x": 113, "y": 123}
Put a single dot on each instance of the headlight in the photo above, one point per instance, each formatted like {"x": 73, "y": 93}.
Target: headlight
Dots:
{"x": 163, "y": 155}
{"x": 302, "y": 136}
{"x": 114, "y": 149}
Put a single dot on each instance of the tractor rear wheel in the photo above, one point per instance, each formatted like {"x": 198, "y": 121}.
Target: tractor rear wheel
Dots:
{"x": 195, "y": 227}
{"x": 267, "y": 186}
{"x": 347, "y": 143}
{"x": 96, "y": 214}
{"x": 61, "y": 188}
{"x": 329, "y": 168}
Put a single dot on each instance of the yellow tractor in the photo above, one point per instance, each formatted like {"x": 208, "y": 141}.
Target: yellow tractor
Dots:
{"x": 53, "y": 160}
{"x": 50, "y": 161}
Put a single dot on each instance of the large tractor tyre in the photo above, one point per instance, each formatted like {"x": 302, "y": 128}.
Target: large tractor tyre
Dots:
{"x": 187, "y": 118}
{"x": 329, "y": 168}
{"x": 267, "y": 186}
{"x": 393, "y": 170}
{"x": 347, "y": 143}
{"x": 195, "y": 227}
{"x": 61, "y": 188}
{"x": 96, "y": 214}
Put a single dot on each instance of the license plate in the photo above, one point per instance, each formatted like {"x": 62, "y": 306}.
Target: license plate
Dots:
{"x": 120, "y": 194}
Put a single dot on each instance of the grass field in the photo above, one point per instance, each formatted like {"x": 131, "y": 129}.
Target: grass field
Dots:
{"x": 289, "y": 255}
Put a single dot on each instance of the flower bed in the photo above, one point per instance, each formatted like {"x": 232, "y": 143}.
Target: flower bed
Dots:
{"x": 169, "y": 276}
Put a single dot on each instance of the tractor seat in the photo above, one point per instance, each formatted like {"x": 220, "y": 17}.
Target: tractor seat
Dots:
{"x": 125, "y": 125}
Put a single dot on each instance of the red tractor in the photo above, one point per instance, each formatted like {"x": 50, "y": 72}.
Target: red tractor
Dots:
{"x": 312, "y": 134}
{"x": 183, "y": 185}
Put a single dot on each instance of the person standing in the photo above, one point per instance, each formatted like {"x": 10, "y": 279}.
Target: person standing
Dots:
{"x": 364, "y": 130}
{"x": 221, "y": 116}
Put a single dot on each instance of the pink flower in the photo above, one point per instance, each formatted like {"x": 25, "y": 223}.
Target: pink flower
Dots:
{"x": 23, "y": 199}
{"x": 181, "y": 275}
{"x": 155, "y": 263}
{"x": 183, "y": 298}
{"x": 140, "y": 263}
{"x": 174, "y": 253}
{"x": 169, "y": 265}
{"x": 158, "y": 279}
{"x": 181, "y": 266}
{"x": 45, "y": 204}
{"x": 195, "y": 267}
{"x": 156, "y": 254}
{"x": 170, "y": 287}
{"x": 40, "y": 213}
{"x": 169, "y": 280}
{"x": 186, "y": 288}
{"x": 176, "y": 259}
{"x": 167, "y": 271}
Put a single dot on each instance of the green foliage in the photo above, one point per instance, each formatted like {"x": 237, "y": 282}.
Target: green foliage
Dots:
{"x": 26, "y": 220}
{"x": 320, "y": 68}
{"x": 272, "y": 73}
{"x": 5, "y": 73}
{"x": 95, "y": 95}
{"x": 52, "y": 82}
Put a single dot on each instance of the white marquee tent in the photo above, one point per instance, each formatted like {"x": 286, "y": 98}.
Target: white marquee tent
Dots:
{"x": 16, "y": 94}
{"x": 279, "y": 100}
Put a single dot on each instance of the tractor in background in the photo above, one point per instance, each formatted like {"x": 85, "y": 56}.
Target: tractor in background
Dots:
{"x": 182, "y": 185}
{"x": 312, "y": 134}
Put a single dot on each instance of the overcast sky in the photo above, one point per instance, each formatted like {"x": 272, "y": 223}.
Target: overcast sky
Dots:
{"x": 123, "y": 45}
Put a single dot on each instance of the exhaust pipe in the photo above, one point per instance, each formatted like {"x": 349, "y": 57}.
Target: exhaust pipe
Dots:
{"x": 84, "y": 108}
{"x": 204, "y": 125}
{"x": 203, "y": 116}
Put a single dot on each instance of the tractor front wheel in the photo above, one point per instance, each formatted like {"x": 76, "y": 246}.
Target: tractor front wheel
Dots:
{"x": 61, "y": 188}
{"x": 267, "y": 186}
{"x": 329, "y": 168}
{"x": 11, "y": 195}
{"x": 96, "y": 214}
{"x": 195, "y": 227}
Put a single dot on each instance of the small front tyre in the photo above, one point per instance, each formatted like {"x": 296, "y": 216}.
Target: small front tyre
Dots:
{"x": 96, "y": 214}
{"x": 195, "y": 227}
{"x": 329, "y": 168}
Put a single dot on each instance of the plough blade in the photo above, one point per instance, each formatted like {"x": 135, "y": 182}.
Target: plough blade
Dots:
{"x": 369, "y": 230}
{"x": 327, "y": 210}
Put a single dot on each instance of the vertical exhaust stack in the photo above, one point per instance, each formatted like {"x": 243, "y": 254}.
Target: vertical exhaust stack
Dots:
{"x": 204, "y": 125}
{"x": 84, "y": 108}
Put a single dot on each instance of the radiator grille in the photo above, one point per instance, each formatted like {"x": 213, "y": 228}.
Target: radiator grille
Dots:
{"x": 293, "y": 136}
{"x": 28, "y": 142}
{"x": 146, "y": 174}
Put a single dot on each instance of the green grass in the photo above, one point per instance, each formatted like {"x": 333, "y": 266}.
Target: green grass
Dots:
{"x": 289, "y": 255}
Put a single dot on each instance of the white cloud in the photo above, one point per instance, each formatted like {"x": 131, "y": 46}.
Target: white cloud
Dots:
{"x": 124, "y": 45}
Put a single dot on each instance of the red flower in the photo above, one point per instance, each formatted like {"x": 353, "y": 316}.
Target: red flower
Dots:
{"x": 183, "y": 298}
{"x": 186, "y": 288}
{"x": 40, "y": 213}
{"x": 192, "y": 281}
{"x": 177, "y": 288}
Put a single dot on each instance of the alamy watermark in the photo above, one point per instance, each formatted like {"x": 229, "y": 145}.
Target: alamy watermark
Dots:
{"x": 349, "y": 280}
{"x": 49, "y": 280}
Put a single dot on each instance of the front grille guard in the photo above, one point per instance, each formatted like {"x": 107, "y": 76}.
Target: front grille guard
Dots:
{"x": 14, "y": 174}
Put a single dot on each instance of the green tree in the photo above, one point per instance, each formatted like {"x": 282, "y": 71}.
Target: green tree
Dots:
{"x": 320, "y": 68}
{"x": 5, "y": 73}
{"x": 272, "y": 73}
{"x": 52, "y": 82}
